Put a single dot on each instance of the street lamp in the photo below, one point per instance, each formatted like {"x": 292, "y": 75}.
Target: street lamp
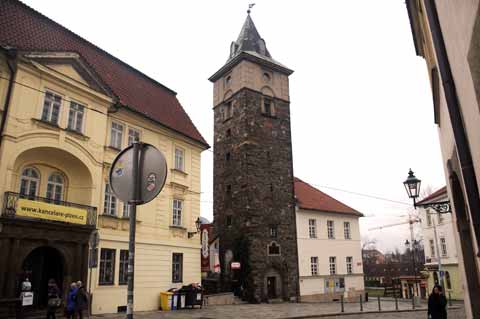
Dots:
{"x": 412, "y": 186}
{"x": 198, "y": 223}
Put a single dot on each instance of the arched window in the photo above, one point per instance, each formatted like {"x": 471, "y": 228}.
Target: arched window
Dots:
{"x": 447, "y": 278}
{"x": 435, "y": 277}
{"x": 55, "y": 187}
{"x": 29, "y": 182}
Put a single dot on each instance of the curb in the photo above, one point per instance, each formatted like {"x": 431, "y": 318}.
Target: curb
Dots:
{"x": 360, "y": 313}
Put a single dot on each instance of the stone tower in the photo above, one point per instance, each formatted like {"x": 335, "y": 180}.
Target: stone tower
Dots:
{"x": 254, "y": 211}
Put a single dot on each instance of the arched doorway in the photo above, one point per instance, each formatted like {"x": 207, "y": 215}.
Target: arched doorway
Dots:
{"x": 273, "y": 284}
{"x": 42, "y": 264}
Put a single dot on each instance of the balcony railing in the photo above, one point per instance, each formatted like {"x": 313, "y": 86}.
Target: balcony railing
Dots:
{"x": 49, "y": 212}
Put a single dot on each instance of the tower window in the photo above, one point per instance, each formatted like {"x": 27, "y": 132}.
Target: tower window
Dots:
{"x": 228, "y": 221}
{"x": 268, "y": 107}
{"x": 227, "y": 156}
{"x": 229, "y": 190}
{"x": 229, "y": 132}
{"x": 273, "y": 231}
{"x": 273, "y": 249}
{"x": 266, "y": 77}
{"x": 228, "y": 80}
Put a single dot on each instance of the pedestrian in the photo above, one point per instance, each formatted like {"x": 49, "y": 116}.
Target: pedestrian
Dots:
{"x": 71, "y": 304}
{"x": 81, "y": 300}
{"x": 54, "y": 301}
{"x": 437, "y": 304}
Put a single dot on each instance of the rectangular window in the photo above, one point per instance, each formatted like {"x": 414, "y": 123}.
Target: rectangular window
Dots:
{"x": 116, "y": 135}
{"x": 51, "y": 107}
{"x": 107, "y": 266}
{"x": 177, "y": 212}
{"x": 330, "y": 229}
{"x": 110, "y": 202}
{"x": 179, "y": 159}
{"x": 429, "y": 219}
{"x": 133, "y": 135}
{"x": 314, "y": 265}
{"x": 432, "y": 247}
{"x": 229, "y": 111}
{"x": 177, "y": 267}
{"x": 443, "y": 245}
{"x": 126, "y": 210}
{"x": 332, "y": 265}
{"x": 312, "y": 228}
{"x": 267, "y": 106}
{"x": 123, "y": 269}
{"x": 440, "y": 218}
{"x": 273, "y": 231}
{"x": 346, "y": 230}
{"x": 349, "y": 265}
{"x": 75, "y": 117}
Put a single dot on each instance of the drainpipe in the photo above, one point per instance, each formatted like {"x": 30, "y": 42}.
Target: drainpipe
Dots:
{"x": 11, "y": 54}
{"x": 459, "y": 133}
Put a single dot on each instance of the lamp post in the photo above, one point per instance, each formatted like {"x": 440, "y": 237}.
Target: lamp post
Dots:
{"x": 412, "y": 252}
{"x": 198, "y": 223}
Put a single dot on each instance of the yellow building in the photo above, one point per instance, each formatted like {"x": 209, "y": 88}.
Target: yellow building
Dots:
{"x": 68, "y": 108}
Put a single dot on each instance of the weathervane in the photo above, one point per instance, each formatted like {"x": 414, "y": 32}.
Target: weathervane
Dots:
{"x": 250, "y": 6}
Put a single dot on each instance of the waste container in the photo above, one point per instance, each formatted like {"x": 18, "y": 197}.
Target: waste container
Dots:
{"x": 166, "y": 300}
{"x": 178, "y": 300}
{"x": 193, "y": 295}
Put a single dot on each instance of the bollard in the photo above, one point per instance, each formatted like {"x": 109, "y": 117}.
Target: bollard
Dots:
{"x": 361, "y": 303}
{"x": 366, "y": 297}
{"x": 396, "y": 302}
{"x": 449, "y": 299}
{"x": 379, "y": 305}
{"x": 341, "y": 302}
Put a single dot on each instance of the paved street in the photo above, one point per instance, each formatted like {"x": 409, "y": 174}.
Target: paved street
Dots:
{"x": 286, "y": 310}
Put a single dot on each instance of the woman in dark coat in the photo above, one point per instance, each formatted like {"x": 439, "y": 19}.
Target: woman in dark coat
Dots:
{"x": 437, "y": 304}
{"x": 81, "y": 300}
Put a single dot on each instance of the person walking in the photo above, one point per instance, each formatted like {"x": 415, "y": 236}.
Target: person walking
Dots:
{"x": 437, "y": 304}
{"x": 71, "y": 304}
{"x": 53, "y": 299}
{"x": 81, "y": 300}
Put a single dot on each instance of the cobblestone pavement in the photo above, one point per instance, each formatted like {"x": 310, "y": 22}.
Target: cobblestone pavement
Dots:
{"x": 289, "y": 310}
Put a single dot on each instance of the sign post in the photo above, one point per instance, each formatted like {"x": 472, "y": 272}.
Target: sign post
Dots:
{"x": 137, "y": 176}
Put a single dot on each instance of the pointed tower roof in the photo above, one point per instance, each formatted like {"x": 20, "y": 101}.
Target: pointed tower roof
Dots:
{"x": 250, "y": 46}
{"x": 249, "y": 40}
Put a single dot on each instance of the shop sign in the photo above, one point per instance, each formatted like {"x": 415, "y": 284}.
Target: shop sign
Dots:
{"x": 27, "y": 298}
{"x": 235, "y": 265}
{"x": 40, "y": 210}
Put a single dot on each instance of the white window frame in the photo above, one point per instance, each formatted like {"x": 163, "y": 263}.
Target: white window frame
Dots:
{"x": 330, "y": 229}
{"x": 179, "y": 159}
{"x": 29, "y": 180}
{"x": 443, "y": 246}
{"x": 332, "y": 264}
{"x": 132, "y": 134}
{"x": 110, "y": 202}
{"x": 52, "y": 103}
{"x": 76, "y": 114}
{"x": 177, "y": 210}
{"x": 126, "y": 210}
{"x": 349, "y": 261}
{"x": 55, "y": 187}
{"x": 314, "y": 265}
{"x": 347, "y": 232}
{"x": 312, "y": 228}
{"x": 116, "y": 135}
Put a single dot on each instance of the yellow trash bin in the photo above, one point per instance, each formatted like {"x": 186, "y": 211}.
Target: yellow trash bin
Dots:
{"x": 165, "y": 300}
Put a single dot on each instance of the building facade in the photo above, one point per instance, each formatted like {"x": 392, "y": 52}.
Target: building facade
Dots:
{"x": 68, "y": 109}
{"x": 329, "y": 249}
{"x": 447, "y": 35}
{"x": 254, "y": 213}
{"x": 440, "y": 244}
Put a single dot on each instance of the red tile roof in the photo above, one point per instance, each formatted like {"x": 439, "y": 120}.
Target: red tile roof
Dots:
{"x": 437, "y": 193}
{"x": 310, "y": 198}
{"x": 23, "y": 28}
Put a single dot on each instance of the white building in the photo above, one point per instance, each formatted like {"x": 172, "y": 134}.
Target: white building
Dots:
{"x": 441, "y": 246}
{"x": 329, "y": 250}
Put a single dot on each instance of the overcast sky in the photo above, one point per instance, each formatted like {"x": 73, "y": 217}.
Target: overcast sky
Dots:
{"x": 361, "y": 106}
